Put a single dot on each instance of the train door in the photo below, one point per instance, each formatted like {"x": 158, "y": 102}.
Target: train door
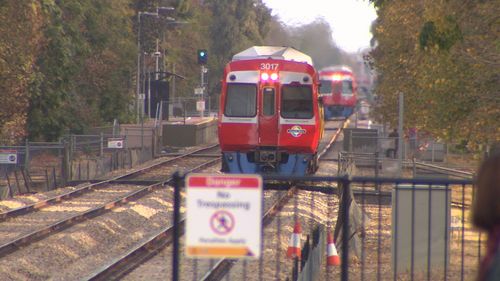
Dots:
{"x": 268, "y": 118}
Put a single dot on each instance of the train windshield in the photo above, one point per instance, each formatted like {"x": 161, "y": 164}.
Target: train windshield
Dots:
{"x": 326, "y": 87}
{"x": 297, "y": 102}
{"x": 343, "y": 87}
{"x": 241, "y": 100}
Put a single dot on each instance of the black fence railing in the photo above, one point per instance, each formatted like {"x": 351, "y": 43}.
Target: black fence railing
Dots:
{"x": 407, "y": 229}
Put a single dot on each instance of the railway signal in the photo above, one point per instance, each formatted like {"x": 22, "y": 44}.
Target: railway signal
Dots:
{"x": 202, "y": 56}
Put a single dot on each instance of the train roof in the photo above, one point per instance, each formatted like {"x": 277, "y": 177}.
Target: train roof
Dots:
{"x": 273, "y": 52}
{"x": 343, "y": 68}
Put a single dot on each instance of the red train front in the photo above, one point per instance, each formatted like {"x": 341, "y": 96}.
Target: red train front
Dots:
{"x": 338, "y": 89}
{"x": 269, "y": 118}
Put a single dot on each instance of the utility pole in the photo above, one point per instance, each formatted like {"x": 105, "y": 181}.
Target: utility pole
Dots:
{"x": 138, "y": 76}
{"x": 400, "y": 133}
{"x": 159, "y": 11}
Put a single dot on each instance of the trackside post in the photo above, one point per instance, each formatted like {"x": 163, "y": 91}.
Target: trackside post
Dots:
{"x": 177, "y": 204}
{"x": 345, "y": 184}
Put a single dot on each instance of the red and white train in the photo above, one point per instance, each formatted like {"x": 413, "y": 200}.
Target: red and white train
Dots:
{"x": 270, "y": 119}
{"x": 338, "y": 90}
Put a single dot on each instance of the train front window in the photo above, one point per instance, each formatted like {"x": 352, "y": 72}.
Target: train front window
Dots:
{"x": 347, "y": 87}
{"x": 326, "y": 87}
{"x": 297, "y": 102}
{"x": 240, "y": 100}
{"x": 268, "y": 101}
{"x": 343, "y": 87}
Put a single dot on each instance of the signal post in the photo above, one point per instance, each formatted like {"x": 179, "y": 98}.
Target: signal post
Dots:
{"x": 202, "y": 55}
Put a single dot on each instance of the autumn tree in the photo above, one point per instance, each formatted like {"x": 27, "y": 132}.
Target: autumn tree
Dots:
{"x": 20, "y": 28}
{"x": 444, "y": 56}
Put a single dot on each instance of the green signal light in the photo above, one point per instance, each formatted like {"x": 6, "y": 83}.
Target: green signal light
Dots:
{"x": 202, "y": 54}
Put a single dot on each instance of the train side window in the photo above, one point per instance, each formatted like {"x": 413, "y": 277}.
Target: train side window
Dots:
{"x": 297, "y": 102}
{"x": 268, "y": 103}
{"x": 326, "y": 87}
{"x": 241, "y": 100}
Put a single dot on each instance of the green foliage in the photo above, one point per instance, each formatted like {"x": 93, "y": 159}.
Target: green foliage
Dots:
{"x": 430, "y": 36}
{"x": 83, "y": 68}
{"x": 235, "y": 25}
{"x": 68, "y": 65}
{"x": 443, "y": 55}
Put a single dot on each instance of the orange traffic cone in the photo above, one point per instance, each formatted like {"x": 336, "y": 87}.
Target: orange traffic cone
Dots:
{"x": 331, "y": 252}
{"x": 294, "y": 244}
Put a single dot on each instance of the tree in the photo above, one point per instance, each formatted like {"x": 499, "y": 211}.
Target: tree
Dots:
{"x": 444, "y": 56}
{"x": 20, "y": 24}
{"x": 236, "y": 25}
{"x": 82, "y": 76}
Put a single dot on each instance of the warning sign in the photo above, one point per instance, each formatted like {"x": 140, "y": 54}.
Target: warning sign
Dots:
{"x": 223, "y": 216}
{"x": 8, "y": 156}
{"x": 115, "y": 143}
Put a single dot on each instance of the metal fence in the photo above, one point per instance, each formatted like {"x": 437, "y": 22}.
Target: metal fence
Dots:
{"x": 41, "y": 166}
{"x": 375, "y": 140}
{"x": 191, "y": 107}
{"x": 407, "y": 229}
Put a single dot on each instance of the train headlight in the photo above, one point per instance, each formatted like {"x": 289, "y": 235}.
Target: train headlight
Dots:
{"x": 264, "y": 76}
{"x": 274, "y": 76}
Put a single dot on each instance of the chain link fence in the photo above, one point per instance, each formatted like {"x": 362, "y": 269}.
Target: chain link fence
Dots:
{"x": 182, "y": 109}
{"x": 40, "y": 166}
{"x": 342, "y": 228}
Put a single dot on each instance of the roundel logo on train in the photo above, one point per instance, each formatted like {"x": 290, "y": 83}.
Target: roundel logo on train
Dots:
{"x": 296, "y": 131}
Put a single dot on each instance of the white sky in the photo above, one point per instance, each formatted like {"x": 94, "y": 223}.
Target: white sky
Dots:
{"x": 350, "y": 20}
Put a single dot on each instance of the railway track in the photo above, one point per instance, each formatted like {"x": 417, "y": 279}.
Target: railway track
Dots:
{"x": 443, "y": 170}
{"x": 162, "y": 240}
{"x": 22, "y": 226}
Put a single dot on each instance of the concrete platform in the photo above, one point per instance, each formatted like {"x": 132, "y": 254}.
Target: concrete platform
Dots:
{"x": 192, "y": 131}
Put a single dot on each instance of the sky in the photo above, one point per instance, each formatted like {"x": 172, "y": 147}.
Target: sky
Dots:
{"x": 350, "y": 20}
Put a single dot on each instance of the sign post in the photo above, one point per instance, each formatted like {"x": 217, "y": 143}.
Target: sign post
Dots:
{"x": 8, "y": 156}
{"x": 115, "y": 143}
{"x": 223, "y": 216}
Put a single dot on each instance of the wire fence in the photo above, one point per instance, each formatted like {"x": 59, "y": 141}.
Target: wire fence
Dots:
{"x": 41, "y": 166}
{"x": 184, "y": 108}
{"x": 359, "y": 228}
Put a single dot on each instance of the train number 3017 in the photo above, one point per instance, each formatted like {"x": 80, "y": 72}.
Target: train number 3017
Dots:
{"x": 269, "y": 66}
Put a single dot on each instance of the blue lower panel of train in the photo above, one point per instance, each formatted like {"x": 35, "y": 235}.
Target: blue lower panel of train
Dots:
{"x": 338, "y": 111}
{"x": 238, "y": 163}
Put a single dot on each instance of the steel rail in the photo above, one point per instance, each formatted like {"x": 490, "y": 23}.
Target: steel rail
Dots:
{"x": 77, "y": 192}
{"x": 444, "y": 170}
{"x": 142, "y": 252}
{"x": 223, "y": 266}
{"x": 343, "y": 124}
{"x": 39, "y": 234}
{"x": 124, "y": 264}
{"x": 136, "y": 256}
